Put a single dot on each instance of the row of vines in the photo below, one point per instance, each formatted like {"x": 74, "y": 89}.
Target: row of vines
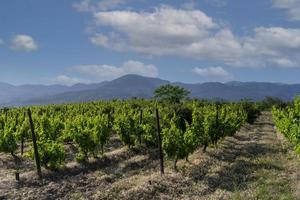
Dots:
{"x": 184, "y": 127}
{"x": 287, "y": 121}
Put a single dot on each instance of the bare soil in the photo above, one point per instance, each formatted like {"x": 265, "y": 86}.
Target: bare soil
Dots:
{"x": 256, "y": 163}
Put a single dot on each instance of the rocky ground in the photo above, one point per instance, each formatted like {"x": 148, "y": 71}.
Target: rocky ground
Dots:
{"x": 256, "y": 163}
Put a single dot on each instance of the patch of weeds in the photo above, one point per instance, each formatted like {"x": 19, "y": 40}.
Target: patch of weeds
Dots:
{"x": 118, "y": 175}
{"x": 237, "y": 195}
{"x": 272, "y": 187}
{"x": 77, "y": 196}
{"x": 183, "y": 169}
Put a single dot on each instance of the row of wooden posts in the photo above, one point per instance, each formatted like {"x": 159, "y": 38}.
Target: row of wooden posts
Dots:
{"x": 35, "y": 147}
{"x": 36, "y": 153}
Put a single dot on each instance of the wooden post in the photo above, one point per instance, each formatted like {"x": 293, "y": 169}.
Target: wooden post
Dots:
{"x": 22, "y": 145}
{"x": 17, "y": 121}
{"x": 35, "y": 147}
{"x": 161, "y": 155}
{"x": 22, "y": 137}
{"x": 110, "y": 124}
{"x": 141, "y": 116}
{"x": 224, "y": 116}
{"x": 217, "y": 115}
{"x": 17, "y": 160}
{"x": 6, "y": 112}
{"x": 217, "y": 123}
{"x": 17, "y": 176}
{"x": 140, "y": 123}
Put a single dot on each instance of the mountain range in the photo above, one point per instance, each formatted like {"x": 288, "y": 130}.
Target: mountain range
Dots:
{"x": 130, "y": 86}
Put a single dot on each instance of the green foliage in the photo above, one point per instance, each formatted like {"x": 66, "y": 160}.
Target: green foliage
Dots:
{"x": 8, "y": 143}
{"x": 24, "y": 130}
{"x": 184, "y": 116}
{"x": 8, "y": 136}
{"x": 186, "y": 126}
{"x": 269, "y": 102}
{"x": 125, "y": 127}
{"x": 82, "y": 135}
{"x": 149, "y": 129}
{"x": 101, "y": 131}
{"x": 287, "y": 121}
{"x": 252, "y": 110}
{"x": 173, "y": 141}
{"x": 50, "y": 128}
{"x": 51, "y": 153}
{"x": 171, "y": 93}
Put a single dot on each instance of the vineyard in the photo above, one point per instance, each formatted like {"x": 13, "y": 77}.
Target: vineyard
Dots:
{"x": 62, "y": 142}
{"x": 287, "y": 120}
{"x": 88, "y": 128}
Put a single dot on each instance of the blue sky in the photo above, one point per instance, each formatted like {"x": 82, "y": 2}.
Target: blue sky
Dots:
{"x": 71, "y": 41}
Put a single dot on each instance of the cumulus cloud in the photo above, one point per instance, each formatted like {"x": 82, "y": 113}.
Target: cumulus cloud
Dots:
{"x": 192, "y": 4}
{"x": 66, "y": 80}
{"x": 166, "y": 31}
{"x": 90, "y": 6}
{"x": 274, "y": 46}
{"x": 291, "y": 6}
{"x": 23, "y": 43}
{"x": 165, "y": 23}
{"x": 108, "y": 72}
{"x": 213, "y": 72}
{"x": 162, "y": 32}
{"x": 83, "y": 6}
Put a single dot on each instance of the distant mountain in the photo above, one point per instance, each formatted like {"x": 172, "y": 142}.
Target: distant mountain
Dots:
{"x": 234, "y": 91}
{"x": 125, "y": 87}
{"x": 10, "y": 94}
{"x": 130, "y": 86}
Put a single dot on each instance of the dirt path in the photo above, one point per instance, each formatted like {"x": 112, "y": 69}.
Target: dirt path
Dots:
{"x": 254, "y": 164}
{"x": 257, "y": 163}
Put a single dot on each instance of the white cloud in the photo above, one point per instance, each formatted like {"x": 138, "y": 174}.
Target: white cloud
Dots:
{"x": 101, "y": 40}
{"x": 274, "y": 46}
{"x": 163, "y": 23}
{"x": 166, "y": 31}
{"x": 83, "y": 6}
{"x": 291, "y": 6}
{"x": 109, "y": 4}
{"x": 90, "y": 6}
{"x": 66, "y": 80}
{"x": 192, "y": 4}
{"x": 108, "y": 72}
{"x": 191, "y": 33}
{"x": 23, "y": 43}
{"x": 213, "y": 72}
{"x": 1, "y": 41}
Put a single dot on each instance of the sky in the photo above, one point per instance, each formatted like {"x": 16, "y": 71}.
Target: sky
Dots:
{"x": 193, "y": 41}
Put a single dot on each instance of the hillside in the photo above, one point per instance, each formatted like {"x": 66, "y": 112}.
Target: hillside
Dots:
{"x": 130, "y": 86}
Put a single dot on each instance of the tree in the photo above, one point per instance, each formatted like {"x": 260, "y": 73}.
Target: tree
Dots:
{"x": 171, "y": 93}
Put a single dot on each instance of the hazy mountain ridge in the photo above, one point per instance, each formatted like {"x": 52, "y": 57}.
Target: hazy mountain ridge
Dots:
{"x": 10, "y": 93}
{"x": 130, "y": 86}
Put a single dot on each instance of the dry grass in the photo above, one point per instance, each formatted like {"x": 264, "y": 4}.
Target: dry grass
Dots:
{"x": 254, "y": 164}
